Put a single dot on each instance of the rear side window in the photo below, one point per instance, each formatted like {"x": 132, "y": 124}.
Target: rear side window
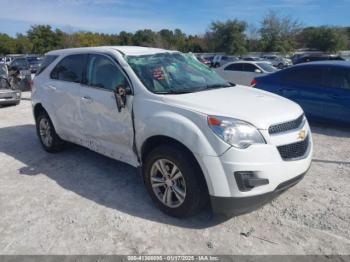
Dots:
{"x": 338, "y": 78}
{"x": 48, "y": 59}
{"x": 304, "y": 76}
{"x": 234, "y": 67}
{"x": 69, "y": 69}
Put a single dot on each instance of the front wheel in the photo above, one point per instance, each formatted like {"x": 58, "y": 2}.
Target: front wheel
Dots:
{"x": 174, "y": 181}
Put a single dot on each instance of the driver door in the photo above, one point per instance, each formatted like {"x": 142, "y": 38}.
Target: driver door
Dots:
{"x": 105, "y": 130}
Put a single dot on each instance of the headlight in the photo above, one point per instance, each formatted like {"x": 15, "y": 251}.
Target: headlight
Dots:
{"x": 235, "y": 132}
{"x": 18, "y": 94}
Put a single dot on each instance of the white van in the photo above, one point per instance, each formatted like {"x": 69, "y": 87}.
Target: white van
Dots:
{"x": 196, "y": 138}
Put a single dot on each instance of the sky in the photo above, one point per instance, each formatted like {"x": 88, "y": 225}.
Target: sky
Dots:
{"x": 191, "y": 16}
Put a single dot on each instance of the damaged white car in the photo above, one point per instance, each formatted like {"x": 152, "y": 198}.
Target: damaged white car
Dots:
{"x": 198, "y": 139}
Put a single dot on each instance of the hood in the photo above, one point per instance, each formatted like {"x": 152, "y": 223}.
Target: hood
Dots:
{"x": 254, "y": 106}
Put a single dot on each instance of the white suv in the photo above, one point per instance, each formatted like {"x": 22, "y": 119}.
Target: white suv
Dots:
{"x": 194, "y": 136}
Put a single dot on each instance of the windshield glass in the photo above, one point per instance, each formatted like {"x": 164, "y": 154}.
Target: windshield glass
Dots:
{"x": 167, "y": 73}
{"x": 266, "y": 67}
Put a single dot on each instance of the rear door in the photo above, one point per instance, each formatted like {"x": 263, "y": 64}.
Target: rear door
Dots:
{"x": 304, "y": 85}
{"x": 337, "y": 104}
{"x": 249, "y": 73}
{"x": 105, "y": 130}
{"x": 232, "y": 72}
{"x": 63, "y": 89}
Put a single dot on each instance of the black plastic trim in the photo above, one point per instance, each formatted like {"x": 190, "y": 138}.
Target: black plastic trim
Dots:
{"x": 233, "y": 206}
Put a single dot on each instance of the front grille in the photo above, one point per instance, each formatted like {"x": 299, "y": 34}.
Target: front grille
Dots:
{"x": 295, "y": 150}
{"x": 279, "y": 128}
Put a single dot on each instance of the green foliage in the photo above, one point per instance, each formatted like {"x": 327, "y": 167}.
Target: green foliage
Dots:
{"x": 228, "y": 37}
{"x": 44, "y": 39}
{"x": 7, "y": 44}
{"x": 325, "y": 38}
{"x": 276, "y": 34}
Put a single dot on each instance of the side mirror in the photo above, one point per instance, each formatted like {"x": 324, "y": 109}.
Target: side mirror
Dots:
{"x": 258, "y": 71}
{"x": 120, "y": 94}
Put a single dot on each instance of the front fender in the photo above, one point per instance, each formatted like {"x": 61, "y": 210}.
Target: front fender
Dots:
{"x": 193, "y": 132}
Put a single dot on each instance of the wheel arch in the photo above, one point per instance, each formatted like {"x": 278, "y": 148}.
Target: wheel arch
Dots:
{"x": 158, "y": 140}
{"x": 38, "y": 108}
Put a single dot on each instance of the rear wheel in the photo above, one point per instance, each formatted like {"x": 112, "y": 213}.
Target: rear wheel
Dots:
{"x": 174, "y": 181}
{"x": 49, "y": 139}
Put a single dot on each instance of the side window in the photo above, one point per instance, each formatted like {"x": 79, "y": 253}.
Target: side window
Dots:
{"x": 338, "y": 78}
{"x": 69, "y": 69}
{"x": 249, "y": 68}
{"x": 234, "y": 67}
{"x": 304, "y": 76}
{"x": 102, "y": 72}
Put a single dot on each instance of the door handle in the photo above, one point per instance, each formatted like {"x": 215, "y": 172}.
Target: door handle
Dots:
{"x": 87, "y": 99}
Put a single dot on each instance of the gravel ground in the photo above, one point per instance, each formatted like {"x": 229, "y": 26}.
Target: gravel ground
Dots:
{"x": 79, "y": 202}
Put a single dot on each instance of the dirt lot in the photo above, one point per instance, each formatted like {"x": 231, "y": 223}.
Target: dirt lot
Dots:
{"x": 78, "y": 202}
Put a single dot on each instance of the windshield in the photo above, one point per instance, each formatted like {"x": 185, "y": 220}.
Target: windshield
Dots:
{"x": 267, "y": 68}
{"x": 169, "y": 73}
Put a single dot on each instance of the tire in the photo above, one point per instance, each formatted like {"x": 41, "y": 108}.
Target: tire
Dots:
{"x": 53, "y": 144}
{"x": 190, "y": 188}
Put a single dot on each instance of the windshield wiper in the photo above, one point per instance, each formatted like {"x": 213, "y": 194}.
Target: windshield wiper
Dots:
{"x": 215, "y": 86}
{"x": 174, "y": 91}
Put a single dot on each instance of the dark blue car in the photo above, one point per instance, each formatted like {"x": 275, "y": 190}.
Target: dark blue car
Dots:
{"x": 322, "y": 89}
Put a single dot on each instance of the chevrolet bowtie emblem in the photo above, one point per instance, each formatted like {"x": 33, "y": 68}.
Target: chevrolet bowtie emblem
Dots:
{"x": 302, "y": 134}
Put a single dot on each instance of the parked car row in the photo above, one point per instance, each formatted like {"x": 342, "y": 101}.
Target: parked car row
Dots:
{"x": 8, "y": 94}
{"x": 21, "y": 70}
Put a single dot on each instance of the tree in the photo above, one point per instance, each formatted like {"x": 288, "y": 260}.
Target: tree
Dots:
{"x": 22, "y": 44}
{"x": 44, "y": 39}
{"x": 325, "y": 38}
{"x": 278, "y": 33}
{"x": 7, "y": 44}
{"x": 125, "y": 38}
{"x": 228, "y": 37}
{"x": 144, "y": 37}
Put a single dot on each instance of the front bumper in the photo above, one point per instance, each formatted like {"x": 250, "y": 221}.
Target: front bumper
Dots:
{"x": 233, "y": 206}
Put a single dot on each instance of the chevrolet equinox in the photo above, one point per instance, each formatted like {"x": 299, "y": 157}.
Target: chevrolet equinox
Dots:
{"x": 196, "y": 138}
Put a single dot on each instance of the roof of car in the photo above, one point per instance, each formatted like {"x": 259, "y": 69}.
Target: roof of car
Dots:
{"x": 127, "y": 50}
{"x": 327, "y": 62}
{"x": 248, "y": 62}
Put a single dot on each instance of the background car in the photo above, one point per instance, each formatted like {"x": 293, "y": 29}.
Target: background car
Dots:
{"x": 204, "y": 60}
{"x": 242, "y": 72}
{"x": 34, "y": 63}
{"x": 20, "y": 74}
{"x": 322, "y": 89}
{"x": 8, "y": 96}
{"x": 316, "y": 57}
{"x": 220, "y": 60}
{"x": 278, "y": 61}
